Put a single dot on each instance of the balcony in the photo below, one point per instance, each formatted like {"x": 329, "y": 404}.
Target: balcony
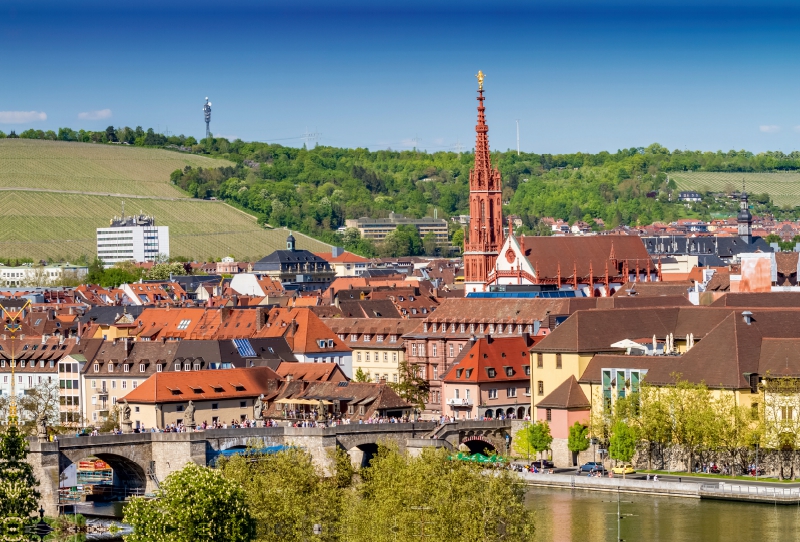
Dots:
{"x": 102, "y": 391}
{"x": 459, "y": 402}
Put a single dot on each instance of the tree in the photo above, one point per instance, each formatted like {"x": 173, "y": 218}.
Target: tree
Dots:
{"x": 163, "y": 271}
{"x": 578, "y": 439}
{"x": 361, "y": 376}
{"x": 18, "y": 495}
{"x": 194, "y": 504}
{"x": 622, "y": 444}
{"x": 430, "y": 244}
{"x": 41, "y": 400}
{"x": 539, "y": 438}
{"x": 287, "y": 494}
{"x": 412, "y": 386}
{"x": 458, "y": 238}
{"x": 402, "y": 498}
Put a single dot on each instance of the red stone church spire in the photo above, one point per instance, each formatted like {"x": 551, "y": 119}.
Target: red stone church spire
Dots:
{"x": 485, "y": 236}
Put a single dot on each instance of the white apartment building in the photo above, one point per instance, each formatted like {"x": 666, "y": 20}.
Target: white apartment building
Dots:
{"x": 132, "y": 239}
{"x": 39, "y": 275}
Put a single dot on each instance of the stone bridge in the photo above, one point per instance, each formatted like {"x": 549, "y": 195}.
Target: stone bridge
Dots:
{"x": 140, "y": 460}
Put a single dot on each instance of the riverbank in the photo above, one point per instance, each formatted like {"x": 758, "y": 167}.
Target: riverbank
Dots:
{"x": 691, "y": 489}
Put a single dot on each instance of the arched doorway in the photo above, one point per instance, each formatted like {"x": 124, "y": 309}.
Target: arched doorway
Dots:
{"x": 499, "y": 413}
{"x": 520, "y": 413}
{"x": 489, "y": 414}
{"x": 361, "y": 455}
{"x": 510, "y": 412}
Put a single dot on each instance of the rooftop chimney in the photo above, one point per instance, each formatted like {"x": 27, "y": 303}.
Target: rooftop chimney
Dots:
{"x": 748, "y": 317}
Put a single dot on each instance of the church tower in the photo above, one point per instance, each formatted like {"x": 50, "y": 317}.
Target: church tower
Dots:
{"x": 744, "y": 219}
{"x": 485, "y": 236}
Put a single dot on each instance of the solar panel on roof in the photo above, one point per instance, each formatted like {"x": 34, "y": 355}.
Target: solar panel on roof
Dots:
{"x": 244, "y": 348}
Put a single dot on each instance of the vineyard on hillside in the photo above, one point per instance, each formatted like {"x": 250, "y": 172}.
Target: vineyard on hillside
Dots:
{"x": 84, "y": 167}
{"x": 783, "y": 187}
{"x": 53, "y": 226}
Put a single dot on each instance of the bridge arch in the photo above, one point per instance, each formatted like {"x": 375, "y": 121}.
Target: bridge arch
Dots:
{"x": 478, "y": 444}
{"x": 361, "y": 455}
{"x": 128, "y": 474}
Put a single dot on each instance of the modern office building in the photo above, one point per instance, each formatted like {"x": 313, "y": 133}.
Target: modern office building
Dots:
{"x": 377, "y": 229}
{"x": 132, "y": 239}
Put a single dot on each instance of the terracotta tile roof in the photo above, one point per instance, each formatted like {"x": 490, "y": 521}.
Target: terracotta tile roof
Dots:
{"x": 758, "y": 300}
{"x": 178, "y": 387}
{"x": 596, "y": 330}
{"x": 546, "y": 253}
{"x": 719, "y": 282}
{"x": 368, "y": 308}
{"x": 642, "y": 289}
{"x": 568, "y": 395}
{"x": 302, "y": 329}
{"x": 344, "y": 257}
{"x": 496, "y": 310}
{"x": 786, "y": 262}
{"x": 505, "y": 358}
{"x": 311, "y": 372}
{"x": 374, "y": 327}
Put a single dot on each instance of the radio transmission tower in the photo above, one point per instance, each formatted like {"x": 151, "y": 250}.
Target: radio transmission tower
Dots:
{"x": 207, "y": 113}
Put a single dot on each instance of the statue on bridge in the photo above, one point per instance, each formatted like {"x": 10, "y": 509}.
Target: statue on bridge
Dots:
{"x": 258, "y": 408}
{"x": 126, "y": 423}
{"x": 41, "y": 427}
{"x": 189, "y": 416}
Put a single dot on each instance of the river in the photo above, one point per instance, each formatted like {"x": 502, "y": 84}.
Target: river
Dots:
{"x": 584, "y": 516}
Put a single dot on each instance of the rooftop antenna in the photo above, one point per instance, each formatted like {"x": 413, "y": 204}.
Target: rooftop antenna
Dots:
{"x": 207, "y": 114}
{"x": 517, "y": 137}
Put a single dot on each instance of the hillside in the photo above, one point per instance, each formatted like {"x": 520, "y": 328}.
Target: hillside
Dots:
{"x": 783, "y": 187}
{"x": 53, "y": 195}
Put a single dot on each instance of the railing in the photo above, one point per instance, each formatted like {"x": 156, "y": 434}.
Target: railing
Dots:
{"x": 459, "y": 402}
{"x": 752, "y": 490}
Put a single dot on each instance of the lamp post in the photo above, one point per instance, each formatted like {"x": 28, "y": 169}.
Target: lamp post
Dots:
{"x": 40, "y": 529}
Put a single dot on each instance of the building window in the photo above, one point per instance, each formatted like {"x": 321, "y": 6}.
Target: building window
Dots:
{"x": 452, "y": 350}
{"x": 126, "y": 368}
{"x": 492, "y": 373}
{"x": 433, "y": 350}
{"x": 393, "y": 339}
{"x": 159, "y": 367}
{"x": 540, "y": 386}
{"x": 196, "y": 366}
{"x": 414, "y": 349}
{"x": 493, "y": 394}
{"x": 97, "y": 367}
{"x": 214, "y": 406}
{"x": 110, "y": 367}
{"x": 527, "y": 391}
{"x": 386, "y": 357}
{"x": 124, "y": 384}
{"x": 242, "y": 404}
{"x": 549, "y": 414}
{"x": 353, "y": 337}
{"x": 141, "y": 367}
{"x": 184, "y": 324}
{"x": 460, "y": 347}
{"x": 177, "y": 366}
{"x": 134, "y": 384}
{"x": 435, "y": 372}
{"x": 463, "y": 328}
{"x": 187, "y": 366}
{"x": 380, "y": 338}
{"x": 394, "y": 356}
{"x": 366, "y": 356}
{"x": 511, "y": 392}
{"x": 394, "y": 378}
{"x": 527, "y": 370}
{"x": 539, "y": 361}
{"x": 94, "y": 383}
{"x": 558, "y": 361}
{"x": 367, "y": 337}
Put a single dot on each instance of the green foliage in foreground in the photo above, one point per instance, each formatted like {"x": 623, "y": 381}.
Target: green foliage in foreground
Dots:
{"x": 18, "y": 496}
{"x": 396, "y": 499}
{"x": 195, "y": 504}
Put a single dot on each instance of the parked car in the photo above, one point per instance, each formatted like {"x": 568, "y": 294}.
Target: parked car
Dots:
{"x": 84, "y": 432}
{"x": 543, "y": 464}
{"x": 623, "y": 469}
{"x": 591, "y": 466}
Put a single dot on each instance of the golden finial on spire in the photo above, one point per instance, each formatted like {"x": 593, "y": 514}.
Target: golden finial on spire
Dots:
{"x": 480, "y": 77}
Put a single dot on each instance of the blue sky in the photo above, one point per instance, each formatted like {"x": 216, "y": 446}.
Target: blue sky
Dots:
{"x": 579, "y": 75}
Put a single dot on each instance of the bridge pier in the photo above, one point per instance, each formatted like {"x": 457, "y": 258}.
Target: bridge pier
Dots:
{"x": 44, "y": 457}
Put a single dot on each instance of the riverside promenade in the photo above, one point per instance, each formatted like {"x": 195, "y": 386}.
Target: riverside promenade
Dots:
{"x": 693, "y": 488}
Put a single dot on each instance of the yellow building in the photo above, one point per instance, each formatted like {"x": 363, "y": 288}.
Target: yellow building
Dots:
{"x": 377, "y": 343}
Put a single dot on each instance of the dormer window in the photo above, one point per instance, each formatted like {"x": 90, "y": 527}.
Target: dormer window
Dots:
{"x": 353, "y": 337}
{"x": 177, "y": 366}
{"x": 492, "y": 373}
{"x": 97, "y": 367}
{"x": 159, "y": 368}
{"x": 380, "y": 338}
{"x": 141, "y": 367}
{"x": 458, "y": 372}
{"x": 196, "y": 366}
{"x": 367, "y": 337}
{"x": 187, "y": 366}
{"x": 469, "y": 373}
{"x": 330, "y": 343}
{"x": 393, "y": 339}
{"x": 126, "y": 368}
{"x": 110, "y": 367}
{"x": 509, "y": 371}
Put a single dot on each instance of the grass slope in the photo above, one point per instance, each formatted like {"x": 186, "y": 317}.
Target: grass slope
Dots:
{"x": 47, "y": 224}
{"x": 783, "y": 188}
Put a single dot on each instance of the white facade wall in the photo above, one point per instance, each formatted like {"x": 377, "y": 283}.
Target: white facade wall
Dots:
{"x": 29, "y": 275}
{"x": 132, "y": 243}
{"x": 343, "y": 359}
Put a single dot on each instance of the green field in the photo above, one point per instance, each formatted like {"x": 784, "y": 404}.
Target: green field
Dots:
{"x": 783, "y": 188}
{"x": 48, "y": 224}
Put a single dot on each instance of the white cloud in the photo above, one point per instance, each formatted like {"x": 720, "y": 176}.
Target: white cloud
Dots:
{"x": 769, "y": 128}
{"x": 21, "y": 117}
{"x": 95, "y": 115}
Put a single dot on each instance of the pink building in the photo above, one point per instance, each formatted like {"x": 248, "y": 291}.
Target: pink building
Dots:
{"x": 564, "y": 406}
{"x": 490, "y": 378}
